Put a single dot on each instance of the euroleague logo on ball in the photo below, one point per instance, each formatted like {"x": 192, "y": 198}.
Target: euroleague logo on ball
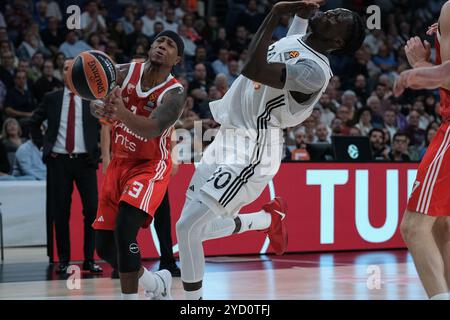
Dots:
{"x": 353, "y": 151}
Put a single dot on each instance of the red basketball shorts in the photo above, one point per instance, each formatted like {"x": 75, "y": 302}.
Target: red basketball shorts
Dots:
{"x": 140, "y": 184}
{"x": 431, "y": 190}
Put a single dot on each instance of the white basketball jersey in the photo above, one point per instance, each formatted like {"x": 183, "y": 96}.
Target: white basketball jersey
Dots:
{"x": 250, "y": 105}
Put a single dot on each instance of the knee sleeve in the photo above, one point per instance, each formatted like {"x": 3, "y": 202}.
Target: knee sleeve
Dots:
{"x": 129, "y": 221}
{"x": 106, "y": 246}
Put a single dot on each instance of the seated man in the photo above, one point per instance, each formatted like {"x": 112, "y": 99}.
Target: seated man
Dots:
{"x": 28, "y": 161}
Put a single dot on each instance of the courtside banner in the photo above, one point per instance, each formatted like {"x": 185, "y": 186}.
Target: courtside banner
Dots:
{"x": 332, "y": 206}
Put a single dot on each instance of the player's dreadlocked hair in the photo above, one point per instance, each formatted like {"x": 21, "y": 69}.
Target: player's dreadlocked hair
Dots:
{"x": 355, "y": 36}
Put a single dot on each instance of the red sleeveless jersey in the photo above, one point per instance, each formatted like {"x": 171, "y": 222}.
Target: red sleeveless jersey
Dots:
{"x": 126, "y": 143}
{"x": 444, "y": 93}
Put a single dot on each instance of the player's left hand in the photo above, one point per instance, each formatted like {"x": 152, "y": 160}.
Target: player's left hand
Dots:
{"x": 433, "y": 29}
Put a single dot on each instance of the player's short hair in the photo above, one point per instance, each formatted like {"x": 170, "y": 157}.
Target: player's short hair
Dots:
{"x": 356, "y": 34}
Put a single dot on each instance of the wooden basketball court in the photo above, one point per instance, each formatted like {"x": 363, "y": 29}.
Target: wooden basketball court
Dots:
{"x": 380, "y": 275}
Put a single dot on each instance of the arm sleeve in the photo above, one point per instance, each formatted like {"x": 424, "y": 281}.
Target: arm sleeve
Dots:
{"x": 298, "y": 26}
{"x": 306, "y": 76}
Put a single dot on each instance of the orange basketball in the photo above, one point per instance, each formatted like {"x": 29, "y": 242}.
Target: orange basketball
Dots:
{"x": 92, "y": 75}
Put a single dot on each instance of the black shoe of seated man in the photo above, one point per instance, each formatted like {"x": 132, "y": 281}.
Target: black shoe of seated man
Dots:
{"x": 92, "y": 267}
{"x": 173, "y": 269}
{"x": 115, "y": 274}
{"x": 62, "y": 267}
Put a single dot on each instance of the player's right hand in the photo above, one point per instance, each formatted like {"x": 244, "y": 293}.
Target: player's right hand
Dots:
{"x": 300, "y": 7}
{"x": 417, "y": 51}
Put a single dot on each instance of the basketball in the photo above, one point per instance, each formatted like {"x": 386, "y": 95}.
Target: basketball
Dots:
{"x": 92, "y": 75}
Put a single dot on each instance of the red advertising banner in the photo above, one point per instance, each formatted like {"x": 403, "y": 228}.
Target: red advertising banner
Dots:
{"x": 332, "y": 206}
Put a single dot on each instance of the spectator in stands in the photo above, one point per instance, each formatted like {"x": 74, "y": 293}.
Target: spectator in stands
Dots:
{"x": 374, "y": 104}
{"x": 282, "y": 28}
{"x": 148, "y": 20}
{"x": 119, "y": 36}
{"x": 233, "y": 71}
{"x": 127, "y": 19}
{"x": 300, "y": 153}
{"x": 430, "y": 133}
{"x": 220, "y": 65}
{"x": 328, "y": 109}
{"x": 36, "y": 65}
{"x": 191, "y": 33}
{"x": 360, "y": 88}
{"x": 344, "y": 113}
{"x": 7, "y": 69}
{"x": 349, "y": 100}
{"x": 211, "y": 30}
{"x": 19, "y": 102}
{"x": 92, "y": 20}
{"x": 202, "y": 57}
{"x": 72, "y": 46}
{"x": 322, "y": 134}
{"x": 169, "y": 20}
{"x": 240, "y": 41}
{"x": 40, "y": 15}
{"x": 364, "y": 121}
{"x": 5, "y": 166}
{"x": 136, "y": 37}
{"x": 95, "y": 42}
{"x": 221, "y": 83}
{"x": 203, "y": 109}
{"x": 221, "y": 41}
{"x": 28, "y": 161}
{"x": 337, "y": 127}
{"x": 158, "y": 28}
{"x": 354, "y": 132}
{"x": 424, "y": 118}
{"x": 378, "y": 144}
{"x": 189, "y": 45}
{"x": 30, "y": 45}
{"x": 47, "y": 82}
{"x": 199, "y": 85}
{"x": 385, "y": 59}
{"x": 251, "y": 18}
{"x": 52, "y": 36}
{"x": 399, "y": 150}
{"x": 58, "y": 72}
{"x": 415, "y": 134}
{"x": 390, "y": 122}
{"x": 11, "y": 136}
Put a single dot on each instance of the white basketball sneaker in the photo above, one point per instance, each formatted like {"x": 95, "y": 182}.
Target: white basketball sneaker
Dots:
{"x": 166, "y": 281}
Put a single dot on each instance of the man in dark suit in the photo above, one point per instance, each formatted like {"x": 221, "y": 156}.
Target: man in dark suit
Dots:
{"x": 71, "y": 154}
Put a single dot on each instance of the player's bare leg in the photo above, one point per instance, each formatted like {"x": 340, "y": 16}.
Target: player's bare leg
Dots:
{"x": 441, "y": 233}
{"x": 416, "y": 229}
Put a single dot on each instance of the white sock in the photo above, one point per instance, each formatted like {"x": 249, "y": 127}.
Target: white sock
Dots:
{"x": 441, "y": 296}
{"x": 194, "y": 295}
{"x": 130, "y": 296}
{"x": 148, "y": 281}
{"x": 255, "y": 221}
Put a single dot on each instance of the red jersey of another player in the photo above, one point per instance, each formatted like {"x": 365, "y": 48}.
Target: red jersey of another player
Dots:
{"x": 444, "y": 93}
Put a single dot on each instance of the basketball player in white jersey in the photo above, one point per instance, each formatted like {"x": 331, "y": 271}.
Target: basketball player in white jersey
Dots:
{"x": 278, "y": 88}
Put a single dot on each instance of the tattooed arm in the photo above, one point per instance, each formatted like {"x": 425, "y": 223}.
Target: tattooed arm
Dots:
{"x": 161, "y": 119}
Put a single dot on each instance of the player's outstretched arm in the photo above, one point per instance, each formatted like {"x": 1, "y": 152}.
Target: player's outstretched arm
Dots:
{"x": 423, "y": 78}
{"x": 256, "y": 67}
{"x": 161, "y": 119}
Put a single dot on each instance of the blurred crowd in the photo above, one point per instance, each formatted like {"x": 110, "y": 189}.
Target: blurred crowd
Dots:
{"x": 35, "y": 42}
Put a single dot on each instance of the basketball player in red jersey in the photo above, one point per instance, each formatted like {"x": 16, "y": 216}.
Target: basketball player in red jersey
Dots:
{"x": 142, "y": 112}
{"x": 426, "y": 222}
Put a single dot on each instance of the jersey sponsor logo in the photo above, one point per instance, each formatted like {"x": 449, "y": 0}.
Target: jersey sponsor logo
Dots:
{"x": 130, "y": 88}
{"x": 291, "y": 55}
{"x": 123, "y": 140}
{"x": 192, "y": 188}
